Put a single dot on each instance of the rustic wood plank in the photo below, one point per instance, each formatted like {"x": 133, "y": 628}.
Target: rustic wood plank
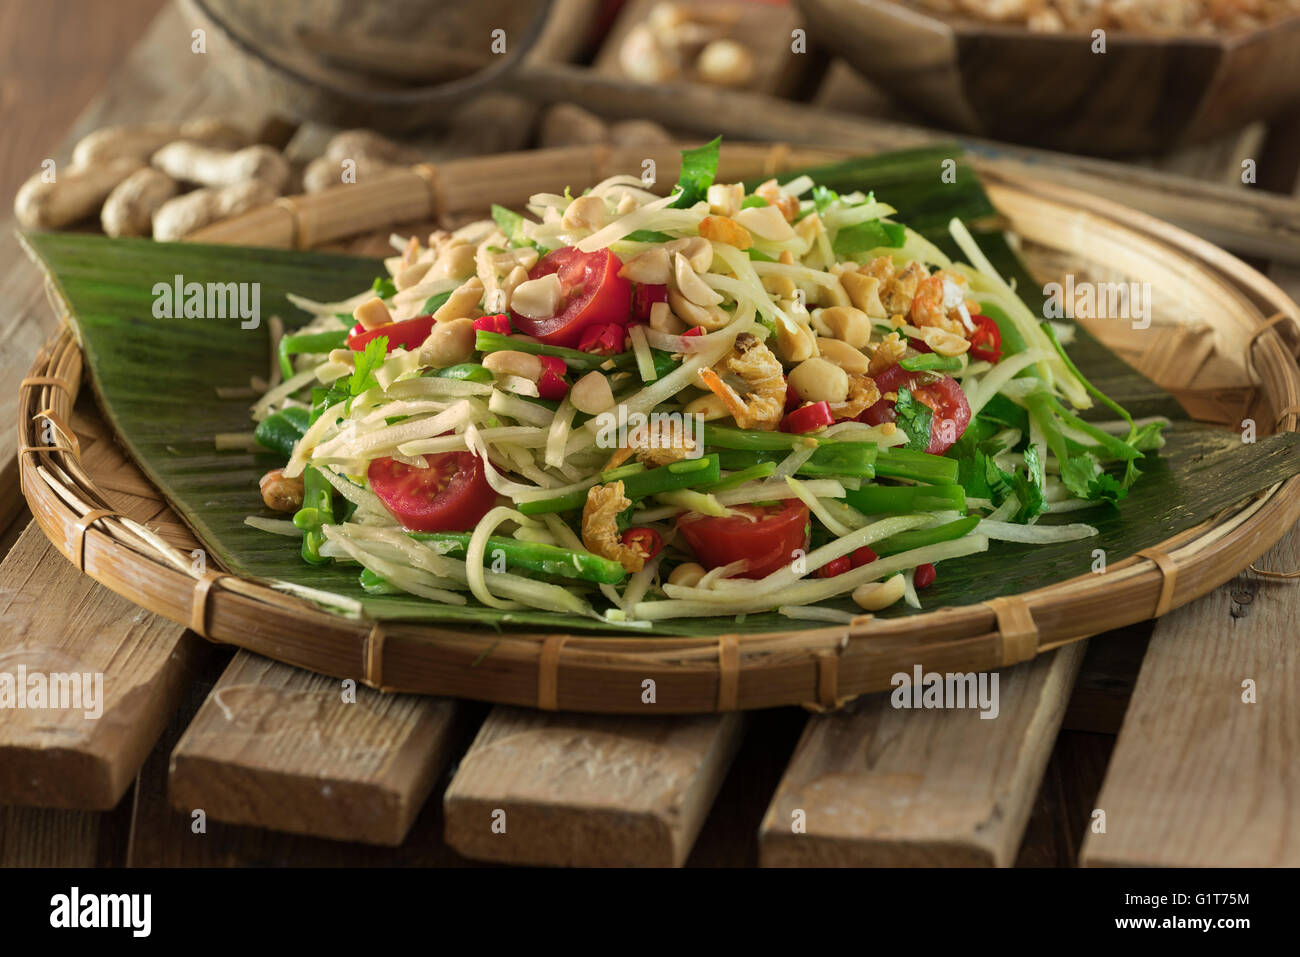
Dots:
{"x": 139, "y": 663}
{"x": 883, "y": 786}
{"x": 161, "y": 836}
{"x": 1199, "y": 777}
{"x": 585, "y": 790}
{"x": 1106, "y": 678}
{"x": 286, "y": 749}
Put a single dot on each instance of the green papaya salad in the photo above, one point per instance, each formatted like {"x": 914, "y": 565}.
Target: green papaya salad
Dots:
{"x": 718, "y": 402}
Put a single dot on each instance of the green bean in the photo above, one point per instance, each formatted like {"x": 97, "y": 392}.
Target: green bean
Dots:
{"x": 877, "y": 499}
{"x": 688, "y": 473}
{"x": 919, "y": 466}
{"x": 308, "y": 342}
{"x": 280, "y": 431}
{"x": 532, "y": 556}
{"x": 920, "y": 537}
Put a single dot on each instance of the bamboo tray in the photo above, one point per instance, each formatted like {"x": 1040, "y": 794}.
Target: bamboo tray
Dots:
{"x": 1234, "y": 316}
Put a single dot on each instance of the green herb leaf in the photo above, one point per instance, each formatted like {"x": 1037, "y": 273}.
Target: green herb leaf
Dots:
{"x": 699, "y": 167}
{"x": 367, "y": 363}
{"x": 915, "y": 419}
{"x": 384, "y": 287}
{"x": 753, "y": 202}
{"x": 434, "y": 303}
{"x": 930, "y": 362}
{"x": 648, "y": 236}
{"x": 864, "y": 237}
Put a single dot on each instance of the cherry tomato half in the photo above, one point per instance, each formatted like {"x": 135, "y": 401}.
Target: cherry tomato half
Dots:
{"x": 646, "y": 542}
{"x": 409, "y": 332}
{"x": 645, "y": 295}
{"x": 986, "y": 340}
{"x": 814, "y": 415}
{"x": 451, "y": 495}
{"x": 941, "y": 393}
{"x": 591, "y": 293}
{"x": 768, "y": 543}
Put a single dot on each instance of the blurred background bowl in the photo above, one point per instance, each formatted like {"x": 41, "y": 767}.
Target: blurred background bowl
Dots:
{"x": 1145, "y": 94}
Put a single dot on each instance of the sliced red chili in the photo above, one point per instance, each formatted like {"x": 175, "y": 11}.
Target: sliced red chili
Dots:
{"x": 809, "y": 418}
{"x": 986, "y": 340}
{"x": 924, "y": 576}
{"x": 602, "y": 340}
{"x": 499, "y": 324}
{"x": 863, "y": 556}
{"x": 643, "y": 540}
{"x": 834, "y": 567}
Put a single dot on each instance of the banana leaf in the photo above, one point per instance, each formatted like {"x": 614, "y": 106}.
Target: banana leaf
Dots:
{"x": 156, "y": 380}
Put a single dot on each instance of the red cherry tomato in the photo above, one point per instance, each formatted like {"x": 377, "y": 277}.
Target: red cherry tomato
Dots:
{"x": 591, "y": 293}
{"x": 836, "y": 566}
{"x": 602, "y": 340}
{"x": 644, "y": 541}
{"x": 924, "y": 576}
{"x": 767, "y": 544}
{"x": 452, "y": 494}
{"x": 941, "y": 393}
{"x": 863, "y": 556}
{"x": 986, "y": 340}
{"x": 645, "y": 295}
{"x": 815, "y": 415}
{"x": 409, "y": 332}
{"x": 499, "y": 324}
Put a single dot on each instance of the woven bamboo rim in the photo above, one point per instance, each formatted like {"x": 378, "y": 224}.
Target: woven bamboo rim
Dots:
{"x": 820, "y": 668}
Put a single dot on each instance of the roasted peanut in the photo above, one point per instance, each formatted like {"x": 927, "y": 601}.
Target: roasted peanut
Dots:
{"x": 816, "y": 380}
{"x": 450, "y": 343}
{"x": 463, "y": 300}
{"x": 584, "y": 212}
{"x": 725, "y": 63}
{"x": 591, "y": 394}
{"x": 864, "y": 293}
{"x": 722, "y": 229}
{"x": 847, "y": 324}
{"x": 788, "y": 205}
{"x": 794, "y": 343}
{"x": 129, "y": 209}
{"x": 687, "y": 574}
{"x": 663, "y": 320}
{"x": 874, "y": 596}
{"x": 843, "y": 355}
{"x": 455, "y": 260}
{"x": 707, "y": 317}
{"x": 690, "y": 285}
{"x": 372, "y": 313}
{"x": 281, "y": 493}
{"x": 651, "y": 267}
{"x": 725, "y": 198}
{"x": 412, "y": 274}
{"x": 710, "y": 406}
{"x": 537, "y": 298}
{"x": 696, "y": 249}
{"x": 508, "y": 362}
{"x": 944, "y": 343}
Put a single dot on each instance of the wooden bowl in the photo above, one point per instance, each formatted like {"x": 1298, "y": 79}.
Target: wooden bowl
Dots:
{"x": 1226, "y": 334}
{"x": 1145, "y": 94}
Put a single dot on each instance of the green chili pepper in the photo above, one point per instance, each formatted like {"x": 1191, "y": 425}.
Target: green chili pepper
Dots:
{"x": 308, "y": 342}
{"x": 920, "y": 537}
{"x": 551, "y": 560}
{"x": 280, "y": 431}
{"x": 688, "y": 473}
{"x": 317, "y": 510}
{"x": 878, "y": 499}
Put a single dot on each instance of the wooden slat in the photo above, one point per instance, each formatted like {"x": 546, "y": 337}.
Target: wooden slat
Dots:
{"x": 61, "y": 758}
{"x": 1106, "y": 678}
{"x": 281, "y": 748}
{"x": 588, "y": 791}
{"x": 1200, "y": 778}
{"x": 890, "y": 787}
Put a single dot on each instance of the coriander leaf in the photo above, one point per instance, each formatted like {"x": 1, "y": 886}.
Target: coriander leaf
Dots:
{"x": 823, "y": 197}
{"x": 864, "y": 237}
{"x": 1030, "y": 494}
{"x": 367, "y": 362}
{"x": 699, "y": 167}
{"x": 384, "y": 287}
{"x": 915, "y": 419}
{"x": 1077, "y": 473}
{"x": 1106, "y": 488}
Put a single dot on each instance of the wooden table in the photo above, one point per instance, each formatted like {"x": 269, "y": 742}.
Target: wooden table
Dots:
{"x": 1136, "y": 748}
